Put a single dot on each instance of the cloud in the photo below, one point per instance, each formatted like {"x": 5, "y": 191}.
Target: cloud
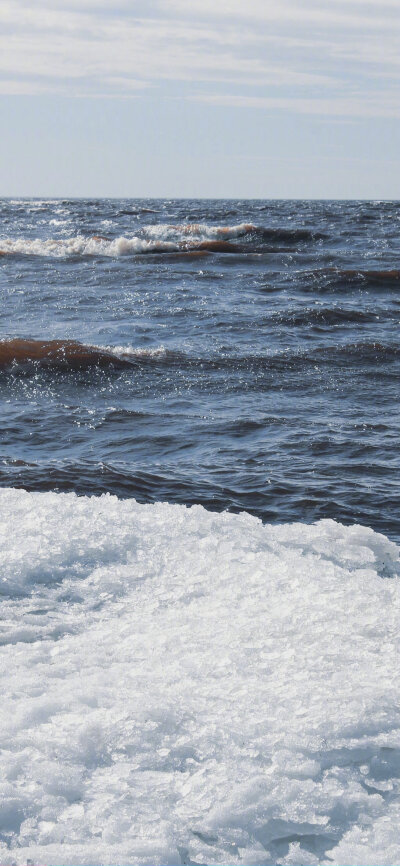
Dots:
{"x": 370, "y": 106}
{"x": 298, "y": 55}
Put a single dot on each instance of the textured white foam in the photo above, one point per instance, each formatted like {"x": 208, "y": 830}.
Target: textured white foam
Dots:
{"x": 180, "y": 686}
{"x": 83, "y": 246}
{"x": 200, "y": 231}
{"x": 33, "y": 202}
{"x": 133, "y": 352}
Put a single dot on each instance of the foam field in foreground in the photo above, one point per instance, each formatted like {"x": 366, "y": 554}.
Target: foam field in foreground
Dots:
{"x": 180, "y": 686}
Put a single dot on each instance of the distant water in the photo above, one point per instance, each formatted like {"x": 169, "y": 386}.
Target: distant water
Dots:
{"x": 246, "y": 354}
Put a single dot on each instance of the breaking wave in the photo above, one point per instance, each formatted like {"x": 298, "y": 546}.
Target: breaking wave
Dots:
{"x": 72, "y": 355}
{"x": 56, "y": 353}
{"x": 97, "y": 245}
{"x": 150, "y": 239}
{"x": 189, "y": 238}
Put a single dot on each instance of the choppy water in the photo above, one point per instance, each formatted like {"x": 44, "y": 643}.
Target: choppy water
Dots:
{"x": 249, "y": 354}
{"x": 172, "y": 680}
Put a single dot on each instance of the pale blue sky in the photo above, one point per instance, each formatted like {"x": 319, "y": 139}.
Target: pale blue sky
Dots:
{"x": 231, "y": 98}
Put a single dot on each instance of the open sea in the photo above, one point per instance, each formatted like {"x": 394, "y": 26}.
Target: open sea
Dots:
{"x": 248, "y": 354}
{"x": 199, "y": 527}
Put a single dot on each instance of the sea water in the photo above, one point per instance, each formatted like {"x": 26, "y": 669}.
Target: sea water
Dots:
{"x": 199, "y": 516}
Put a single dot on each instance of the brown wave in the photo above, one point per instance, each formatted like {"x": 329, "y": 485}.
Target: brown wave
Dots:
{"x": 393, "y": 274}
{"x": 195, "y": 249}
{"x": 183, "y": 255}
{"x": 217, "y": 247}
{"x": 62, "y": 354}
{"x": 290, "y": 236}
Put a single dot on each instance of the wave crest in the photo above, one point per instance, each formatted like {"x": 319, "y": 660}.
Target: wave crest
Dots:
{"x": 160, "y": 238}
{"x": 149, "y": 239}
{"x": 57, "y": 353}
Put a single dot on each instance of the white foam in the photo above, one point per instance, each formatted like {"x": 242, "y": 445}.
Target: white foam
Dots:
{"x": 199, "y": 231}
{"x": 33, "y": 202}
{"x": 181, "y": 686}
{"x": 83, "y": 246}
{"x": 135, "y": 352}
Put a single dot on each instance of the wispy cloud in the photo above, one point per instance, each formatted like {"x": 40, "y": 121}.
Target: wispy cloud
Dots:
{"x": 330, "y": 58}
{"x": 353, "y": 106}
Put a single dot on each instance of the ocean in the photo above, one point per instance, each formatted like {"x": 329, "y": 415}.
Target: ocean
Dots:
{"x": 200, "y": 517}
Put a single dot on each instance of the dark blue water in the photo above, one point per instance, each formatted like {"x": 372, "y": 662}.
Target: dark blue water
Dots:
{"x": 255, "y": 367}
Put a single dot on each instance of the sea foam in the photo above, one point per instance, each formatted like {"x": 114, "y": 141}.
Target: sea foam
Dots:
{"x": 182, "y": 686}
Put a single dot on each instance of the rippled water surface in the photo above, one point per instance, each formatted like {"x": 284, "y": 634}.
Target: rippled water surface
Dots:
{"x": 247, "y": 354}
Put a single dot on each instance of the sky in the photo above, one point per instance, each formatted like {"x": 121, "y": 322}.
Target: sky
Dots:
{"x": 200, "y": 98}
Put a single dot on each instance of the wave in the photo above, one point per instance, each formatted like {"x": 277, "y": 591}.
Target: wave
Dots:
{"x": 199, "y": 230}
{"x": 96, "y": 245}
{"x": 322, "y": 280}
{"x": 367, "y": 350}
{"x": 151, "y": 239}
{"x": 62, "y": 354}
{"x": 362, "y": 352}
{"x": 160, "y": 238}
{"x": 34, "y": 202}
{"x": 131, "y": 633}
{"x": 136, "y": 211}
{"x": 72, "y": 355}
{"x": 290, "y": 236}
{"x": 348, "y": 275}
{"x": 324, "y": 316}
{"x": 370, "y": 275}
